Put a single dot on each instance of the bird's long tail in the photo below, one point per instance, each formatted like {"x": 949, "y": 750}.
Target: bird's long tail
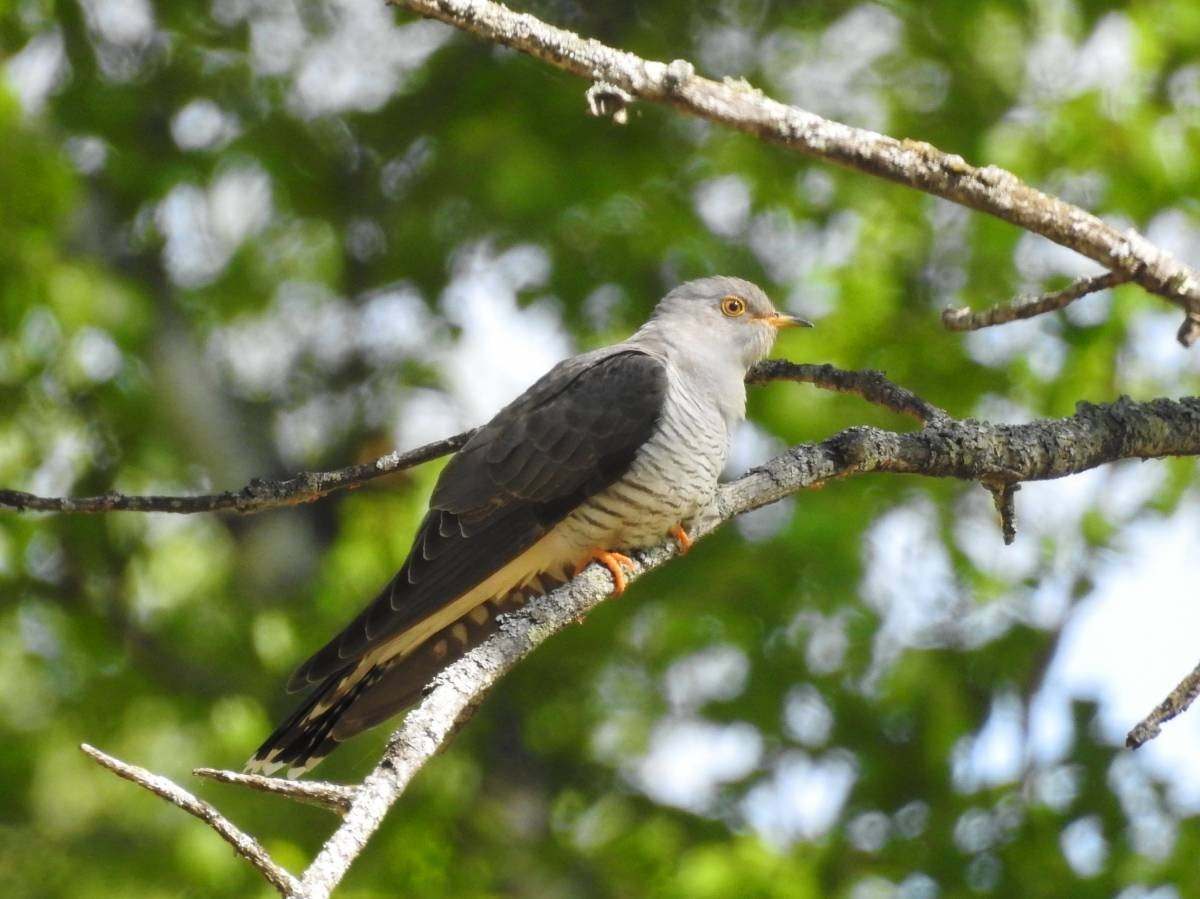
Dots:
{"x": 359, "y": 697}
{"x": 307, "y": 735}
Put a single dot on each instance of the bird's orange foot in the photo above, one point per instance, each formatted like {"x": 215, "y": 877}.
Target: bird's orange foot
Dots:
{"x": 613, "y": 562}
{"x": 682, "y": 538}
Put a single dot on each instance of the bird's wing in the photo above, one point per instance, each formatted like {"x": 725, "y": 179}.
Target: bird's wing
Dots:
{"x": 573, "y": 433}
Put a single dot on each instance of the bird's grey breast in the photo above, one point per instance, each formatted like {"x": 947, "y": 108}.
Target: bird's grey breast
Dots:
{"x": 672, "y": 477}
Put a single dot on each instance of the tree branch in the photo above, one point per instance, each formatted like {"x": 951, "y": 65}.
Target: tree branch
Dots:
{"x": 1176, "y": 703}
{"x": 970, "y": 450}
{"x": 256, "y": 496}
{"x": 913, "y": 163}
{"x": 997, "y": 456}
{"x": 243, "y": 844}
{"x": 1029, "y": 306}
{"x": 872, "y": 386}
{"x": 261, "y": 494}
{"x": 1004, "y": 497}
{"x": 332, "y": 797}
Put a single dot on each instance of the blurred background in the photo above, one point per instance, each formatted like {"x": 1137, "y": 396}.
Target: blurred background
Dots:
{"x": 244, "y": 237}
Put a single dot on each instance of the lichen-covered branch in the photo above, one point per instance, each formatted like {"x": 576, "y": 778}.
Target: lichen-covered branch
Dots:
{"x": 1039, "y": 450}
{"x": 1029, "y": 306}
{"x": 243, "y": 844}
{"x": 914, "y": 163}
{"x": 1176, "y": 703}
{"x": 978, "y": 451}
{"x": 991, "y": 454}
{"x": 262, "y": 494}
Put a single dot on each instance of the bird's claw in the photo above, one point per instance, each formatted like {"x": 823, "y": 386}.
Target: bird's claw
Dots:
{"x": 613, "y": 562}
{"x": 682, "y": 539}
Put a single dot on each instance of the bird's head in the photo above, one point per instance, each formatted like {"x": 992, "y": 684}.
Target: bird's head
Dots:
{"x": 728, "y": 315}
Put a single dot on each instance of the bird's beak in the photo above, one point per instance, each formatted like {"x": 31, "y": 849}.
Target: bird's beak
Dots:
{"x": 780, "y": 320}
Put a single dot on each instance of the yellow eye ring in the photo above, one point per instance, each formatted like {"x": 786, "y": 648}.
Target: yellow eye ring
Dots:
{"x": 733, "y": 306}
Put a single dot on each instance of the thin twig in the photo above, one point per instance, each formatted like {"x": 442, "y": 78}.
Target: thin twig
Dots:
{"x": 919, "y": 165}
{"x": 329, "y": 796}
{"x": 871, "y": 385}
{"x": 261, "y": 494}
{"x": 1029, "y": 306}
{"x": 243, "y": 844}
{"x": 1176, "y": 703}
{"x": 1003, "y": 495}
{"x": 1189, "y": 331}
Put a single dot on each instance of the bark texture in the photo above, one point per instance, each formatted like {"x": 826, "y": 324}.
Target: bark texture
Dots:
{"x": 917, "y": 164}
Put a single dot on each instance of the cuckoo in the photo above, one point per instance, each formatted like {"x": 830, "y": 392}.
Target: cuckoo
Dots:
{"x": 610, "y": 451}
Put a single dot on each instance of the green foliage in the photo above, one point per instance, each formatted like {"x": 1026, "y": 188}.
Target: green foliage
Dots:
{"x": 184, "y": 305}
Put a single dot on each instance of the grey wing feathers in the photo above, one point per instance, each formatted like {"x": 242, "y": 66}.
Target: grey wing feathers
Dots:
{"x": 569, "y": 436}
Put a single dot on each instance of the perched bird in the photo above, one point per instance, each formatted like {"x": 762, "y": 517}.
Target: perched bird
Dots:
{"x": 609, "y": 451}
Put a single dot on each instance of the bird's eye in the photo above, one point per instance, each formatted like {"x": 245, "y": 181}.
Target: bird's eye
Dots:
{"x": 733, "y": 306}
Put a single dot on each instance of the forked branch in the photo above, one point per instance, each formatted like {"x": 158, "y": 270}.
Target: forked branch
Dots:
{"x": 243, "y": 844}
{"x": 968, "y": 450}
{"x": 971, "y": 450}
